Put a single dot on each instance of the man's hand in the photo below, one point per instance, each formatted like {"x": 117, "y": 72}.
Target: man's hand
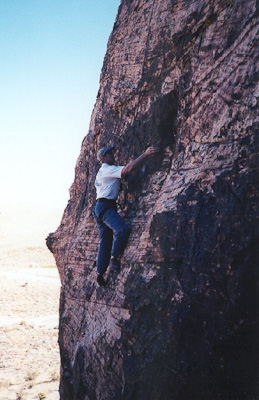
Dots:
{"x": 150, "y": 151}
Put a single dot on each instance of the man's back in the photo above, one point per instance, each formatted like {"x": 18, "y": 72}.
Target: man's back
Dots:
{"x": 107, "y": 182}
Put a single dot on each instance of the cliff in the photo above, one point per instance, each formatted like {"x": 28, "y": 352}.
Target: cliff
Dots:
{"x": 179, "y": 321}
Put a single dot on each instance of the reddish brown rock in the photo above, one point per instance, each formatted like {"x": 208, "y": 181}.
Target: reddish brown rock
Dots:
{"x": 179, "y": 321}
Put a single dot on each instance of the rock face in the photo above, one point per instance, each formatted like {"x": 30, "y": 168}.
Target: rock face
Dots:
{"x": 179, "y": 321}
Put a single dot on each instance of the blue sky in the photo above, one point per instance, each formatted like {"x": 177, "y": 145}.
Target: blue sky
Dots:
{"x": 51, "y": 57}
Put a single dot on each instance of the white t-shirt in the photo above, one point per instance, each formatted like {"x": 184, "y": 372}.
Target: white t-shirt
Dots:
{"x": 107, "y": 182}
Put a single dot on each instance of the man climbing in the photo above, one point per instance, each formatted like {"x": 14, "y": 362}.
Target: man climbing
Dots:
{"x": 113, "y": 231}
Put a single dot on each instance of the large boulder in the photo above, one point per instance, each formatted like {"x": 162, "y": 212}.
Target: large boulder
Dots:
{"x": 179, "y": 321}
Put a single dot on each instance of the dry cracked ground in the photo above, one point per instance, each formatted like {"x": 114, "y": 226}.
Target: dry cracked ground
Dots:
{"x": 29, "y": 301}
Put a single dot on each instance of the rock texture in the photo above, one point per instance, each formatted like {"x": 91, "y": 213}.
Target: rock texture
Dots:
{"x": 179, "y": 321}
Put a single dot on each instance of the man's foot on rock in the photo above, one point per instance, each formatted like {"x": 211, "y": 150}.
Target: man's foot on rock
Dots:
{"x": 100, "y": 280}
{"x": 115, "y": 265}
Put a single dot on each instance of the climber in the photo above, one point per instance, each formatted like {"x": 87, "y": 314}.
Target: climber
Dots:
{"x": 113, "y": 231}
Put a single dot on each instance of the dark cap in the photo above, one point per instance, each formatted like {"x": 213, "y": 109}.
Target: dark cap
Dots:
{"x": 104, "y": 150}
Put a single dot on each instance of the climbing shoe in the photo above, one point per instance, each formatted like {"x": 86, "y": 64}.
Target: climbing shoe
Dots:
{"x": 115, "y": 265}
{"x": 100, "y": 280}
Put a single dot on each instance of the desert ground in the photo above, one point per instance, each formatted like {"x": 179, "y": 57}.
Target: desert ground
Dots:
{"x": 29, "y": 302}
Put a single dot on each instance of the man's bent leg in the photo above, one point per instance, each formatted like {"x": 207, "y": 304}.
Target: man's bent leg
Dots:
{"x": 120, "y": 232}
{"x": 105, "y": 246}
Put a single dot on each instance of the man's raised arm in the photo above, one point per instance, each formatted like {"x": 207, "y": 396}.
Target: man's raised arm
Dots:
{"x": 136, "y": 163}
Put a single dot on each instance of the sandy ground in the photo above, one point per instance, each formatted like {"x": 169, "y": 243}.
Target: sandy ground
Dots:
{"x": 29, "y": 301}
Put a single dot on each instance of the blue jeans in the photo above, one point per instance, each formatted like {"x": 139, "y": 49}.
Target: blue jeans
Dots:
{"x": 113, "y": 233}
